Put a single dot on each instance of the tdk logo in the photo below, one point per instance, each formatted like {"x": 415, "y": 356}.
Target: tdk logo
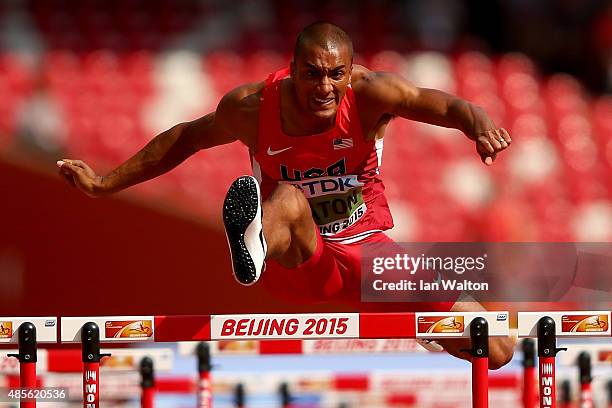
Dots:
{"x": 49, "y": 323}
{"x": 502, "y": 317}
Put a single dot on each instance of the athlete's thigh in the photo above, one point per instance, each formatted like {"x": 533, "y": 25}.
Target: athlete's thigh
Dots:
{"x": 317, "y": 279}
{"x": 353, "y": 260}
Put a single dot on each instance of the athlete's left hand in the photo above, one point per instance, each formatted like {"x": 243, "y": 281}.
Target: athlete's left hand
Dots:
{"x": 489, "y": 139}
{"x": 491, "y": 142}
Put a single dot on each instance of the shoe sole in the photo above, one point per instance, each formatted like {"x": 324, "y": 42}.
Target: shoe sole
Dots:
{"x": 243, "y": 228}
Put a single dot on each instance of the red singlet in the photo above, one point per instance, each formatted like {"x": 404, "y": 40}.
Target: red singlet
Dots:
{"x": 337, "y": 170}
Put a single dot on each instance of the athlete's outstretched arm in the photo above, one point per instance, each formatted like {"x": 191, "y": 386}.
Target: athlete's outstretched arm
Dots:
{"x": 401, "y": 98}
{"x": 163, "y": 153}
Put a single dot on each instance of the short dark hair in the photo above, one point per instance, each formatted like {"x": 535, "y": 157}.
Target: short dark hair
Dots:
{"x": 323, "y": 34}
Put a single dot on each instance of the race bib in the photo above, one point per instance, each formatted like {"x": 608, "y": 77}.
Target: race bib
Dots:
{"x": 336, "y": 201}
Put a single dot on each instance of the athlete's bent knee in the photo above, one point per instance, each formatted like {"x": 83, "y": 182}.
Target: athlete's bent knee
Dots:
{"x": 294, "y": 203}
{"x": 501, "y": 354}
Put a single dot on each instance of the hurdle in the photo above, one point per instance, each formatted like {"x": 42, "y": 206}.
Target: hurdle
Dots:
{"x": 405, "y": 384}
{"x": 586, "y": 356}
{"x": 91, "y": 356}
{"x": 147, "y": 373}
{"x": 426, "y": 325}
{"x": 547, "y": 326}
{"x": 566, "y": 394}
{"x": 529, "y": 381}
{"x": 585, "y": 378}
{"x": 386, "y": 387}
{"x": 204, "y": 383}
{"x": 203, "y": 386}
{"x": 27, "y": 357}
{"x": 479, "y": 334}
{"x": 123, "y": 361}
{"x": 239, "y": 395}
{"x": 476, "y": 326}
{"x": 30, "y": 331}
{"x": 285, "y": 395}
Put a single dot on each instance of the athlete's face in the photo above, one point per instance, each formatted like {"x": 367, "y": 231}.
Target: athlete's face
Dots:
{"x": 321, "y": 77}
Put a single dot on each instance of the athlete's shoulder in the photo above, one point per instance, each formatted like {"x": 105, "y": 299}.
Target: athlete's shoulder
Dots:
{"x": 365, "y": 81}
{"x": 241, "y": 101}
{"x": 381, "y": 88}
{"x": 243, "y": 98}
{"x": 361, "y": 76}
{"x": 238, "y": 111}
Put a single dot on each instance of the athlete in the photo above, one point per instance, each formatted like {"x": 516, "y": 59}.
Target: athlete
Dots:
{"x": 315, "y": 135}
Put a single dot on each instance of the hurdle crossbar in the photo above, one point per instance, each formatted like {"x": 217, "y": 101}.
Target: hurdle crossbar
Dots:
{"x": 46, "y": 329}
{"x": 284, "y": 326}
{"x": 568, "y": 324}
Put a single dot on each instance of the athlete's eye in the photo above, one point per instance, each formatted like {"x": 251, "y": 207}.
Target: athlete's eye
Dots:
{"x": 337, "y": 75}
{"x": 311, "y": 73}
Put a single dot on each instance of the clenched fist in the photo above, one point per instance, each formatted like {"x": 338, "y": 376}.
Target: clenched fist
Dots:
{"x": 491, "y": 142}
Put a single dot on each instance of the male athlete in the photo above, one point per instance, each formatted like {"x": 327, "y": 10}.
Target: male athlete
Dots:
{"x": 315, "y": 136}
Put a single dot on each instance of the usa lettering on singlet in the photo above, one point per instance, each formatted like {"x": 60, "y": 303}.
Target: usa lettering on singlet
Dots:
{"x": 336, "y": 199}
{"x": 338, "y": 170}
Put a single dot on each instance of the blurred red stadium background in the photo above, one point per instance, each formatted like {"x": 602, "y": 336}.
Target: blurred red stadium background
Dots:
{"x": 96, "y": 80}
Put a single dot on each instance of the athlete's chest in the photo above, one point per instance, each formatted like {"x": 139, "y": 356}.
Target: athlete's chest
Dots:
{"x": 339, "y": 149}
{"x": 294, "y": 159}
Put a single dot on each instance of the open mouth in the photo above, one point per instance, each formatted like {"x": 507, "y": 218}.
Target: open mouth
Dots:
{"x": 323, "y": 102}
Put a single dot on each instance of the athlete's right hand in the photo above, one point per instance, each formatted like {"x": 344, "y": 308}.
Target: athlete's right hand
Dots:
{"x": 79, "y": 175}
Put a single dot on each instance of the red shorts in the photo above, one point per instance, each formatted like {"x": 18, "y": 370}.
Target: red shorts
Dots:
{"x": 333, "y": 273}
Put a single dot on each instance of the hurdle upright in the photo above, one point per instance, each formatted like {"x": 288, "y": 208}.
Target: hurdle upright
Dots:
{"x": 585, "y": 378}
{"x": 529, "y": 379}
{"x": 204, "y": 382}
{"x": 147, "y": 374}
{"x": 30, "y": 331}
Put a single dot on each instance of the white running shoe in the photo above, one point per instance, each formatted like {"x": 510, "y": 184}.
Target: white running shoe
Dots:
{"x": 242, "y": 217}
